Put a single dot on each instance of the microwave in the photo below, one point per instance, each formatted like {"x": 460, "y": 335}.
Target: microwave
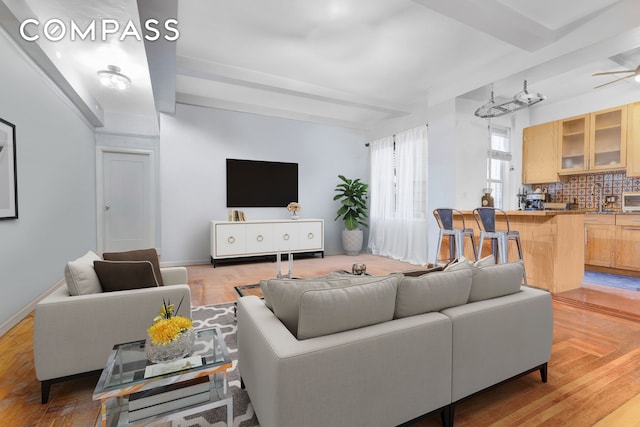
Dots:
{"x": 631, "y": 202}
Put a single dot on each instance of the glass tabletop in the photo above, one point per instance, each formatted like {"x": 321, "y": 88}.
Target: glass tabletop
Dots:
{"x": 128, "y": 367}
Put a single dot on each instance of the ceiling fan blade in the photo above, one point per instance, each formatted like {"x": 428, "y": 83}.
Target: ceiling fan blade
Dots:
{"x": 613, "y": 81}
{"x": 613, "y": 72}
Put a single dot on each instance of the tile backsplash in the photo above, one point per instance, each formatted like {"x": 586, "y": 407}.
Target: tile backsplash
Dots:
{"x": 582, "y": 189}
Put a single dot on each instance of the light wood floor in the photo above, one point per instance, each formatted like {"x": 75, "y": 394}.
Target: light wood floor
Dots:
{"x": 594, "y": 371}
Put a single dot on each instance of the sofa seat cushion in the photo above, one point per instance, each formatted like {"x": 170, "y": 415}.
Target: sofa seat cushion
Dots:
{"x": 81, "y": 277}
{"x": 125, "y": 275}
{"x": 150, "y": 255}
{"x": 331, "y": 310}
{"x": 433, "y": 292}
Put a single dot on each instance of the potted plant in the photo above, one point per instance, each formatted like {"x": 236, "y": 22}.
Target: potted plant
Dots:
{"x": 352, "y": 195}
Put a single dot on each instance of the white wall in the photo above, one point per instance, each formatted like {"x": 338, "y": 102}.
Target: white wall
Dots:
{"x": 194, "y": 146}
{"x": 598, "y": 99}
{"x": 56, "y": 185}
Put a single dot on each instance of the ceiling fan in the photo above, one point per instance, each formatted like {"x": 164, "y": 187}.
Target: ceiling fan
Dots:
{"x": 632, "y": 73}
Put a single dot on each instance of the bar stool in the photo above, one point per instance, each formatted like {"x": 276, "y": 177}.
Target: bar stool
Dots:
{"x": 444, "y": 218}
{"x": 486, "y": 220}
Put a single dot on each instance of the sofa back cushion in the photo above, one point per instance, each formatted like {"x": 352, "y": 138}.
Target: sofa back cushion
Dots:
{"x": 285, "y": 297}
{"x": 265, "y": 285}
{"x": 494, "y": 281}
{"x": 125, "y": 275}
{"x": 81, "y": 277}
{"x": 433, "y": 292}
{"x": 331, "y": 310}
{"x": 150, "y": 255}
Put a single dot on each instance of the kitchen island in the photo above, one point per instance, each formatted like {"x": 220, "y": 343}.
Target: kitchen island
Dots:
{"x": 552, "y": 246}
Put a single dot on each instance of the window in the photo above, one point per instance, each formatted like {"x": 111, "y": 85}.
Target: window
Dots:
{"x": 498, "y": 160}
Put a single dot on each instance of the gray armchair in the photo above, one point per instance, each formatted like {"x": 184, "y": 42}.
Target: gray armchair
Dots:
{"x": 73, "y": 335}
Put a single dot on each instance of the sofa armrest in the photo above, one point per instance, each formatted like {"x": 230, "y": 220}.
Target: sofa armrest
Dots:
{"x": 174, "y": 275}
{"x": 74, "y": 334}
{"x": 286, "y": 378}
{"x": 499, "y": 338}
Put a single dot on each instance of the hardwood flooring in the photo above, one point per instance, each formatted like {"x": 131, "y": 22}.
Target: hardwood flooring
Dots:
{"x": 594, "y": 371}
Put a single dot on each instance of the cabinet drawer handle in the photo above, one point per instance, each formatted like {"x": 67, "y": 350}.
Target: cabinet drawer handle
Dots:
{"x": 285, "y": 237}
{"x": 231, "y": 239}
{"x": 590, "y": 219}
{"x": 310, "y": 236}
{"x": 259, "y": 238}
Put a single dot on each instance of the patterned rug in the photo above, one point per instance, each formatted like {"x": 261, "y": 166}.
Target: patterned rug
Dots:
{"x": 606, "y": 279}
{"x": 222, "y": 315}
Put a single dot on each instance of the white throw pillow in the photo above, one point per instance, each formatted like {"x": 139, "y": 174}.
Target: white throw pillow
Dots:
{"x": 81, "y": 277}
{"x": 486, "y": 261}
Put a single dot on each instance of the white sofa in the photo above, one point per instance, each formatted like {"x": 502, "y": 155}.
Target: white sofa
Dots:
{"x": 389, "y": 372}
{"x": 73, "y": 335}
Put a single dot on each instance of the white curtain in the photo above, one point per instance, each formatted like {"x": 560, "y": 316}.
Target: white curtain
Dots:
{"x": 398, "y": 197}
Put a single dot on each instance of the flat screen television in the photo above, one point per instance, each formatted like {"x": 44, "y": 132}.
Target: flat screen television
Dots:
{"x": 252, "y": 183}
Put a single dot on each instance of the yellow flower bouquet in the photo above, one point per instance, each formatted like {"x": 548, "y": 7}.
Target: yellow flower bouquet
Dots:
{"x": 171, "y": 337}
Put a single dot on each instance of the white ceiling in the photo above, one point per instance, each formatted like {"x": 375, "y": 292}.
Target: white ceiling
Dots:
{"x": 348, "y": 62}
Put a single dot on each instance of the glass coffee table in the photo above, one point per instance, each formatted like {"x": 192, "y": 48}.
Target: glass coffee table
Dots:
{"x": 134, "y": 391}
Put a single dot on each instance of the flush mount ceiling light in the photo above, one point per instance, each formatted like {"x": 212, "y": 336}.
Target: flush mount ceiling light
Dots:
{"x": 521, "y": 100}
{"x": 113, "y": 78}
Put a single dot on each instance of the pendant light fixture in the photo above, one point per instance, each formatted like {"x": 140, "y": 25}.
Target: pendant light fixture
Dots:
{"x": 113, "y": 78}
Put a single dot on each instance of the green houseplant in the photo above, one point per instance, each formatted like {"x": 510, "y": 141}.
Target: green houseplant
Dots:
{"x": 352, "y": 194}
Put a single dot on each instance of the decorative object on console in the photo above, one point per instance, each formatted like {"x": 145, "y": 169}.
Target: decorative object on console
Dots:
{"x": 170, "y": 337}
{"x": 352, "y": 195}
{"x": 8, "y": 185}
{"x": 236, "y": 215}
{"x": 294, "y": 208}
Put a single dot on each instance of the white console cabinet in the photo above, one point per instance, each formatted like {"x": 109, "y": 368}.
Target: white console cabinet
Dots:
{"x": 258, "y": 238}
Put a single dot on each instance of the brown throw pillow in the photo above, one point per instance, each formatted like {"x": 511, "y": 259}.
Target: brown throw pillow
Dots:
{"x": 125, "y": 275}
{"x": 138, "y": 255}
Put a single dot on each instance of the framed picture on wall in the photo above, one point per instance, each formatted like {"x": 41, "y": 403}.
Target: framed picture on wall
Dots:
{"x": 8, "y": 174}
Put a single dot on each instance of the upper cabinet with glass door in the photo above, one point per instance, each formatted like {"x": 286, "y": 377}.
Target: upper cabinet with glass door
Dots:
{"x": 594, "y": 142}
{"x": 608, "y": 139}
{"x": 574, "y": 144}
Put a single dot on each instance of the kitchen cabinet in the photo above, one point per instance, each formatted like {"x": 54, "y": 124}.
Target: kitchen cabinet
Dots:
{"x": 633, "y": 140}
{"x": 574, "y": 144}
{"x": 627, "y": 242}
{"x": 593, "y": 142}
{"x": 539, "y": 153}
{"x": 599, "y": 239}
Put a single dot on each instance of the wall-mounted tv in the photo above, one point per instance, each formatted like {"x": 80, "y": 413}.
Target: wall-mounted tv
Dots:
{"x": 252, "y": 183}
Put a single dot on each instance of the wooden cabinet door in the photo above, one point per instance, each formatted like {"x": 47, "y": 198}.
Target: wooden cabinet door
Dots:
{"x": 633, "y": 140}
{"x": 599, "y": 244}
{"x": 608, "y": 139}
{"x": 628, "y": 242}
{"x": 540, "y": 153}
{"x": 573, "y": 148}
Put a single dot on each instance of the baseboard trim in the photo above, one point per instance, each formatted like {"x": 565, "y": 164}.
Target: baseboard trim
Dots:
{"x": 20, "y": 315}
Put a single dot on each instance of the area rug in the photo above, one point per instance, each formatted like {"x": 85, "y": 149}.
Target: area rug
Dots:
{"x": 614, "y": 280}
{"x": 223, "y": 316}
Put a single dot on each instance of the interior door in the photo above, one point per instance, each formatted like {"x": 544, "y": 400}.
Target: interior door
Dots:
{"x": 126, "y": 214}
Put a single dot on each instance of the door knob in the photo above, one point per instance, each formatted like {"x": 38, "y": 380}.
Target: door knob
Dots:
{"x": 107, "y": 207}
